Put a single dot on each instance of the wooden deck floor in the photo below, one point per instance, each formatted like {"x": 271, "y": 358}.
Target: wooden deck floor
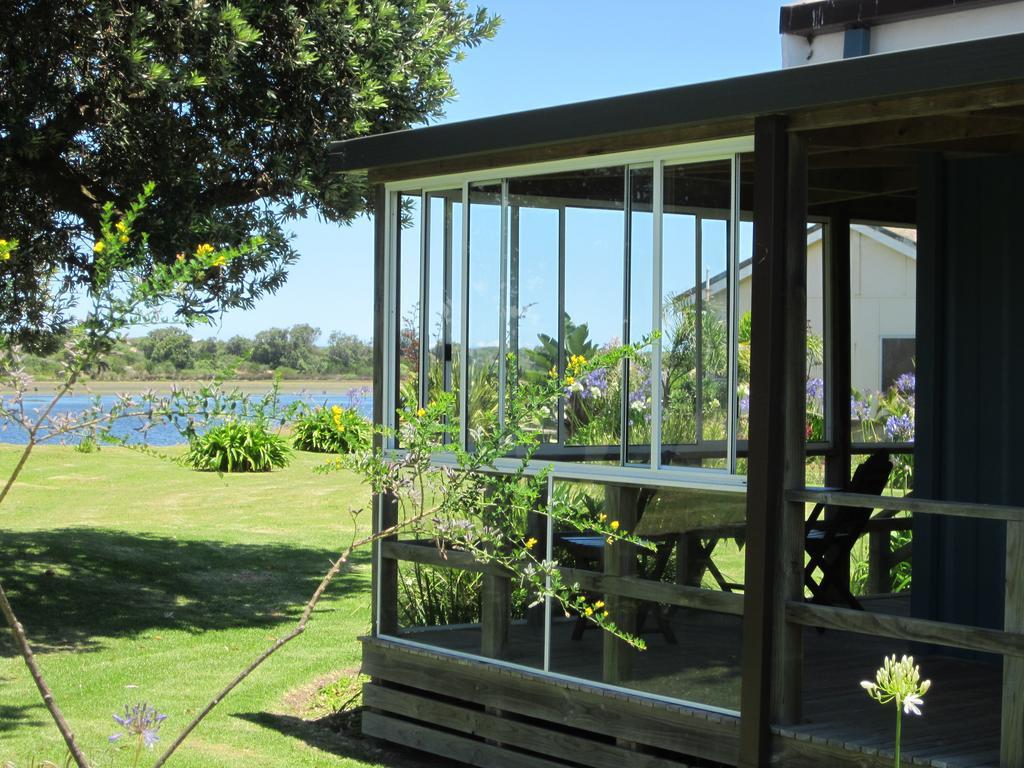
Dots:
{"x": 959, "y": 729}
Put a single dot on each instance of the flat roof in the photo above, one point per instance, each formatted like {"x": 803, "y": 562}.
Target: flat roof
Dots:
{"x": 990, "y": 61}
{"x": 816, "y": 17}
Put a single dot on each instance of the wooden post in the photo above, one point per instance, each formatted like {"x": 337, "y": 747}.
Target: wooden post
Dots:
{"x": 384, "y": 584}
{"x": 772, "y": 652}
{"x": 620, "y": 560}
{"x": 836, "y": 265}
{"x": 1011, "y": 749}
{"x": 495, "y": 616}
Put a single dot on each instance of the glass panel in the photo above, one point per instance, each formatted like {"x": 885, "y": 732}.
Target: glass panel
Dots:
{"x": 695, "y": 314}
{"x": 408, "y": 342}
{"x": 454, "y": 299}
{"x": 690, "y": 655}
{"x": 712, "y": 424}
{"x": 533, "y": 284}
{"x": 484, "y": 302}
{"x": 641, "y": 276}
{"x": 444, "y": 292}
{"x": 594, "y": 245}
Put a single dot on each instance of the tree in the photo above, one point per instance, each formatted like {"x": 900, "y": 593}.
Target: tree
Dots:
{"x": 168, "y": 345}
{"x": 227, "y": 106}
{"x": 294, "y": 347}
{"x": 347, "y": 353}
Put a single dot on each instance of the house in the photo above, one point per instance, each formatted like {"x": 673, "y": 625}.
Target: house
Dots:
{"x": 598, "y": 210}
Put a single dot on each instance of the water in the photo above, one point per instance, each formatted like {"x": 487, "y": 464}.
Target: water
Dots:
{"x": 165, "y": 434}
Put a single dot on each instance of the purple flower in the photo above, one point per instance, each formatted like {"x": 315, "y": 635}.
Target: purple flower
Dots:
{"x": 900, "y": 429}
{"x": 140, "y": 722}
{"x": 860, "y": 410}
{"x": 815, "y": 389}
{"x": 906, "y": 384}
{"x": 745, "y": 405}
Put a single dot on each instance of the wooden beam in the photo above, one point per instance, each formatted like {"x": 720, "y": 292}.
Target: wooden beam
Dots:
{"x": 673, "y": 727}
{"x": 619, "y": 561}
{"x": 907, "y": 504}
{"x": 495, "y": 615}
{"x": 917, "y": 130}
{"x": 1011, "y": 749}
{"x": 836, "y": 267}
{"x": 770, "y": 650}
{"x": 906, "y": 628}
{"x": 537, "y": 736}
{"x": 921, "y": 105}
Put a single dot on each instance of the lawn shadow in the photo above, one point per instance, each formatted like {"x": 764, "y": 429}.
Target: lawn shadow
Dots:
{"x": 340, "y": 735}
{"x": 73, "y": 587}
{"x": 21, "y": 716}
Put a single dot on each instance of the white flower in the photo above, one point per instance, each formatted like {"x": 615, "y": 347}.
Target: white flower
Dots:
{"x": 912, "y": 704}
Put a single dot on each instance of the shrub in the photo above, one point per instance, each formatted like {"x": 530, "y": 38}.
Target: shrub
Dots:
{"x": 237, "y": 446}
{"x": 331, "y": 430}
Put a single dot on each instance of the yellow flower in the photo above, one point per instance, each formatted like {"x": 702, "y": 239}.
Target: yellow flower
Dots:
{"x": 180, "y": 256}
{"x": 336, "y": 410}
{"x": 531, "y": 543}
{"x": 602, "y": 517}
{"x": 553, "y": 373}
{"x": 421, "y": 412}
{"x": 100, "y": 245}
{"x": 569, "y": 380}
{"x": 604, "y": 615}
{"x": 204, "y": 250}
{"x": 599, "y": 604}
{"x": 220, "y": 261}
{"x": 121, "y": 226}
{"x": 609, "y": 541}
{"x": 588, "y": 611}
{"x": 614, "y": 525}
{"x": 123, "y": 238}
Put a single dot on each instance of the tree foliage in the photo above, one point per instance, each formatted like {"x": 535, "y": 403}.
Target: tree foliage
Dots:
{"x": 227, "y": 106}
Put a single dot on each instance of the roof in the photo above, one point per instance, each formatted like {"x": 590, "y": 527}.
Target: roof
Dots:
{"x": 733, "y": 102}
{"x": 815, "y": 17}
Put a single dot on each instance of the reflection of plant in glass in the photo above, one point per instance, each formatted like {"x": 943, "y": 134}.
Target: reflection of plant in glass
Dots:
{"x": 898, "y": 681}
{"x": 467, "y": 505}
{"x": 890, "y": 417}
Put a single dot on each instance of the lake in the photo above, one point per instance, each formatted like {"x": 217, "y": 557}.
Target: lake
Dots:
{"x": 165, "y": 434}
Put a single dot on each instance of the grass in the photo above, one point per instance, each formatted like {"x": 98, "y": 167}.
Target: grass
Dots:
{"x": 140, "y": 580}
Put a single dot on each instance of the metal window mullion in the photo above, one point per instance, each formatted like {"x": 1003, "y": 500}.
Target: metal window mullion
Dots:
{"x": 424, "y": 361}
{"x": 464, "y": 300}
{"x": 503, "y": 303}
{"x": 392, "y": 297}
{"x": 733, "y": 326}
{"x": 560, "y": 358}
{"x": 698, "y": 265}
{"x": 549, "y": 556}
{"x": 658, "y": 205}
{"x": 627, "y": 260}
{"x": 513, "y": 314}
{"x": 446, "y": 318}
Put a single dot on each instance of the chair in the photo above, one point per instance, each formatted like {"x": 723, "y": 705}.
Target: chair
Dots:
{"x": 829, "y": 541}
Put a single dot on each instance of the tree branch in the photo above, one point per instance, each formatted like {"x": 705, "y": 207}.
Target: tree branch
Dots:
{"x": 21, "y": 640}
{"x": 299, "y": 628}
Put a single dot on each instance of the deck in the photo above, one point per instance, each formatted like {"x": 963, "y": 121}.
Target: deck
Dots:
{"x": 960, "y": 727}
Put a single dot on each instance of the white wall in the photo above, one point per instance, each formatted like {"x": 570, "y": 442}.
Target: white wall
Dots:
{"x": 883, "y": 288}
{"x": 955, "y": 27}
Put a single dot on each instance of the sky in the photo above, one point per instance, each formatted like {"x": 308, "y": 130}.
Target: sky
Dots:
{"x": 546, "y": 52}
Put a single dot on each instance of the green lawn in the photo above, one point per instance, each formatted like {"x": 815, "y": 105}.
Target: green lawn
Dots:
{"x": 140, "y": 580}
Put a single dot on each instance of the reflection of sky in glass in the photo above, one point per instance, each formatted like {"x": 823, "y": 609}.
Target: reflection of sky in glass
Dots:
{"x": 435, "y": 323}
{"x": 484, "y": 266}
{"x": 593, "y": 271}
{"x": 714, "y": 258}
{"x": 538, "y": 275}
{"x": 409, "y": 264}
{"x": 679, "y": 254}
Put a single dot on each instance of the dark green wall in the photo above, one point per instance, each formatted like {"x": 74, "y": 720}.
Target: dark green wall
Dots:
{"x": 970, "y": 381}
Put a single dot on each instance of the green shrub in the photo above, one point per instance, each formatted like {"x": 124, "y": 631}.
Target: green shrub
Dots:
{"x": 238, "y": 446}
{"x": 331, "y": 430}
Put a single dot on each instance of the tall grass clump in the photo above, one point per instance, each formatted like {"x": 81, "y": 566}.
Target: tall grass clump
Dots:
{"x": 238, "y": 446}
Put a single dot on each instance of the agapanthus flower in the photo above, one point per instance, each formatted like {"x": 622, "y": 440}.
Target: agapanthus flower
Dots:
{"x": 139, "y": 722}
{"x": 900, "y": 428}
{"x": 815, "y": 389}
{"x": 906, "y": 384}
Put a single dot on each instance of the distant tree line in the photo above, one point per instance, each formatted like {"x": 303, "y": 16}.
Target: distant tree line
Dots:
{"x": 170, "y": 353}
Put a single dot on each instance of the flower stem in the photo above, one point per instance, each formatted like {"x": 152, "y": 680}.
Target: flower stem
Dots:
{"x": 899, "y": 725}
{"x": 138, "y": 752}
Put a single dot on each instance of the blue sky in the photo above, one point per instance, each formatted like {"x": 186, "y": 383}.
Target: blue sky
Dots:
{"x": 547, "y": 52}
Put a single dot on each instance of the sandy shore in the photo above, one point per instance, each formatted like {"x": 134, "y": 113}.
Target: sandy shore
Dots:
{"x": 313, "y": 386}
